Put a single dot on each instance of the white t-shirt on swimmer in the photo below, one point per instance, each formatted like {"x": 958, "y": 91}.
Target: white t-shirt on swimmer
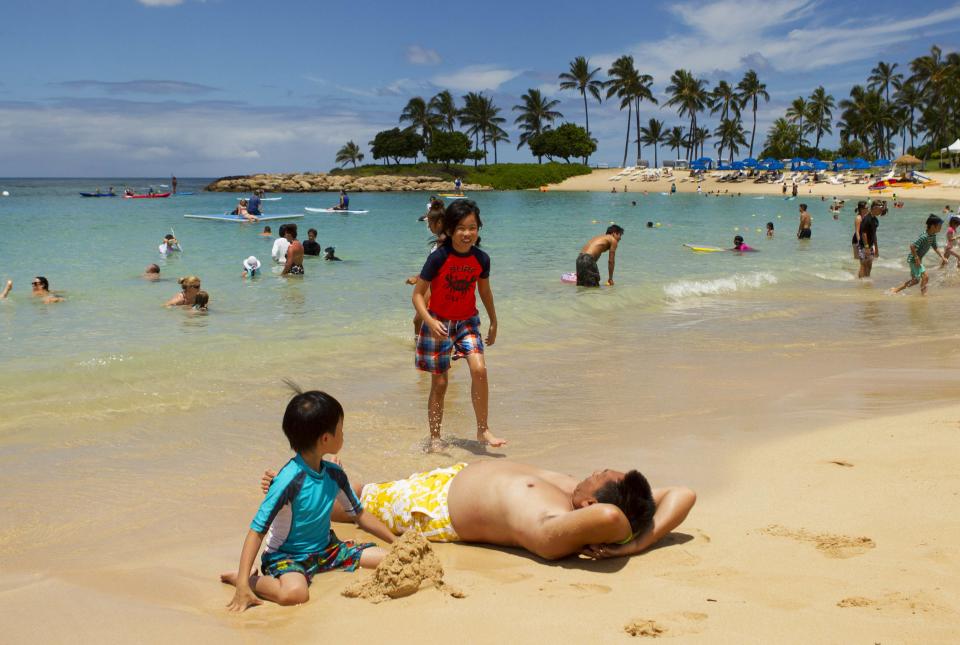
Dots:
{"x": 280, "y": 247}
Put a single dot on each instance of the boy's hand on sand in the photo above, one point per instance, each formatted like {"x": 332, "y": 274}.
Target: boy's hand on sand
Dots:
{"x": 491, "y": 334}
{"x": 243, "y": 599}
{"x": 266, "y": 480}
{"x": 438, "y": 328}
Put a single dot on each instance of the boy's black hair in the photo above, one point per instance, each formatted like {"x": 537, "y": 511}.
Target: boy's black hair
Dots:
{"x": 282, "y": 230}
{"x": 308, "y": 416}
{"x": 649, "y": 225}
{"x": 803, "y": 207}
{"x": 292, "y": 230}
{"x": 954, "y": 221}
{"x": 632, "y": 496}
{"x": 266, "y": 229}
{"x": 614, "y": 228}
{"x": 738, "y": 239}
{"x": 934, "y": 220}
{"x": 168, "y": 236}
{"x": 456, "y": 211}
{"x": 770, "y": 225}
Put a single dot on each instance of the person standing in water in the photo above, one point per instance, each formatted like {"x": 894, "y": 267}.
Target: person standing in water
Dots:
{"x": 173, "y": 184}
{"x": 803, "y": 231}
{"x": 294, "y": 263}
{"x": 588, "y": 274}
{"x": 868, "y": 246}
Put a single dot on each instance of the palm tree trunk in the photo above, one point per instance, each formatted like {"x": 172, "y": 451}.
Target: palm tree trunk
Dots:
{"x": 636, "y": 115}
{"x": 626, "y": 144}
{"x": 753, "y": 132}
{"x": 656, "y": 164}
{"x": 586, "y": 116}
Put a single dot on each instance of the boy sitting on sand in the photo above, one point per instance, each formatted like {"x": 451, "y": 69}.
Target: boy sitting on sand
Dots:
{"x": 297, "y": 511}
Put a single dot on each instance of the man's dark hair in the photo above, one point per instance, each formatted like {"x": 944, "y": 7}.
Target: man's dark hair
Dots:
{"x": 614, "y": 228}
{"x": 312, "y": 230}
{"x": 168, "y": 236}
{"x": 934, "y": 220}
{"x": 266, "y": 229}
{"x": 282, "y": 230}
{"x": 803, "y": 207}
{"x": 308, "y": 416}
{"x": 632, "y": 496}
{"x": 292, "y": 230}
{"x": 43, "y": 282}
{"x": 861, "y": 205}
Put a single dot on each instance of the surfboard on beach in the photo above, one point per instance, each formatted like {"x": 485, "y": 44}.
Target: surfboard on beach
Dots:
{"x": 221, "y": 217}
{"x": 331, "y": 210}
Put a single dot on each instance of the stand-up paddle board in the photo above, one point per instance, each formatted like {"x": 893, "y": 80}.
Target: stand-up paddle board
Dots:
{"x": 331, "y": 210}
{"x": 703, "y": 249}
{"x": 220, "y": 217}
{"x": 262, "y": 199}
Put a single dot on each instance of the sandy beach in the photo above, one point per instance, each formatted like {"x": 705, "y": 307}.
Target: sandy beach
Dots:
{"x": 600, "y": 181}
{"x": 844, "y": 534}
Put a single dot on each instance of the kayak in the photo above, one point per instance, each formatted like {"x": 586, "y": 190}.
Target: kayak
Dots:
{"x": 222, "y": 217}
{"x": 153, "y": 196}
{"x": 98, "y": 195}
{"x": 330, "y": 210}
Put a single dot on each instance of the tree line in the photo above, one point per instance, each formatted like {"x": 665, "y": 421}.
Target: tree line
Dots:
{"x": 891, "y": 110}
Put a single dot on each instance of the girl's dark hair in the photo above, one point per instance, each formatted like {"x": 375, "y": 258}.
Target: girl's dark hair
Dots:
{"x": 955, "y": 221}
{"x": 308, "y": 416}
{"x": 457, "y": 211}
{"x": 631, "y": 495}
{"x": 933, "y": 220}
{"x": 43, "y": 282}
{"x": 738, "y": 239}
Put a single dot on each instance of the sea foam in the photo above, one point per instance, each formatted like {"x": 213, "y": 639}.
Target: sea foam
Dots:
{"x": 737, "y": 282}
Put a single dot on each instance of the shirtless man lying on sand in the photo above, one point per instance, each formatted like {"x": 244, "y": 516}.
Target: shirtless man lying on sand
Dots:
{"x": 608, "y": 514}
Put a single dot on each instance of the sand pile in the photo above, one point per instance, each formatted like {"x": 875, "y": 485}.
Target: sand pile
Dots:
{"x": 409, "y": 564}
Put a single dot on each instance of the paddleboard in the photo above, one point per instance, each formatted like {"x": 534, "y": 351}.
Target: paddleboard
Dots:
{"x": 240, "y": 218}
{"x": 186, "y": 193}
{"x": 262, "y": 199}
{"x": 330, "y": 210}
{"x": 451, "y": 196}
{"x": 703, "y": 249}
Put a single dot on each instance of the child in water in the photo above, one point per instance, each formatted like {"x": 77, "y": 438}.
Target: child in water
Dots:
{"x": 926, "y": 241}
{"x": 454, "y": 273}
{"x": 950, "y": 248}
{"x": 769, "y": 229}
{"x": 740, "y": 246}
{"x": 200, "y": 302}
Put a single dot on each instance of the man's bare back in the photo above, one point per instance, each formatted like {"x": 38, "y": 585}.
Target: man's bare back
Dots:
{"x": 599, "y": 245}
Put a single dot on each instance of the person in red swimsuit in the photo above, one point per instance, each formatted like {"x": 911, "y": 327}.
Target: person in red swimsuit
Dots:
{"x": 453, "y": 274}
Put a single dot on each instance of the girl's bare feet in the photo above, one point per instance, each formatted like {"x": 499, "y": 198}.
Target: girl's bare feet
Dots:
{"x": 490, "y": 439}
{"x": 230, "y": 578}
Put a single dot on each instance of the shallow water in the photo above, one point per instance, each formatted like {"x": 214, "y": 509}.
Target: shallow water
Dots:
{"x": 109, "y": 390}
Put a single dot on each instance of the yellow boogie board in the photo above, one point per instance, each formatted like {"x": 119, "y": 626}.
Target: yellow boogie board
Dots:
{"x": 703, "y": 249}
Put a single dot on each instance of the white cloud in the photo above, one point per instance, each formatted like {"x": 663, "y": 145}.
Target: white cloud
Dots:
{"x": 422, "y": 56}
{"x": 475, "y": 78}
{"x": 160, "y": 3}
{"x": 786, "y": 35}
{"x": 121, "y": 137}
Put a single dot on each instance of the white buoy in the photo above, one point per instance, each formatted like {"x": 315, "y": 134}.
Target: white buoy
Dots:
{"x": 5, "y": 193}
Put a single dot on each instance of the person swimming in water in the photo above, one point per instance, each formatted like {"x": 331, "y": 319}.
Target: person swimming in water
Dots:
{"x": 740, "y": 246}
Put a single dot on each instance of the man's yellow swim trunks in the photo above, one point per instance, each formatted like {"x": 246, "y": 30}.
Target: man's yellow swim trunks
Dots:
{"x": 419, "y": 501}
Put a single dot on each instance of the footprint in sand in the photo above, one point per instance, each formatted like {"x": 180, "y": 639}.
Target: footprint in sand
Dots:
{"x": 673, "y": 624}
{"x": 840, "y": 462}
{"x": 554, "y": 589}
{"x": 896, "y": 601}
{"x": 832, "y": 546}
{"x": 591, "y": 588}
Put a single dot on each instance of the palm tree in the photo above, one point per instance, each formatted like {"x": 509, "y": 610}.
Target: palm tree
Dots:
{"x": 480, "y": 115}
{"x": 581, "y": 78}
{"x": 675, "y": 139}
{"x": 349, "y": 153}
{"x": 536, "y": 115}
{"x": 689, "y": 95}
{"x": 653, "y": 135}
{"x": 495, "y": 135}
{"x": 723, "y": 99}
{"x": 782, "y": 137}
{"x": 909, "y": 98}
{"x": 882, "y": 77}
{"x": 731, "y": 136}
{"x": 702, "y": 135}
{"x": 623, "y": 78}
{"x": 419, "y": 117}
{"x": 821, "y": 107}
{"x": 751, "y": 90}
{"x": 795, "y": 114}
{"x": 445, "y": 109}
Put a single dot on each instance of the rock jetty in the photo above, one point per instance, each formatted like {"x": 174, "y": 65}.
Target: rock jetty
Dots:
{"x": 322, "y": 182}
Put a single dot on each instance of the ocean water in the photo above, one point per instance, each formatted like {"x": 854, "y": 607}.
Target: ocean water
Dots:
{"x": 130, "y": 408}
{"x": 112, "y": 348}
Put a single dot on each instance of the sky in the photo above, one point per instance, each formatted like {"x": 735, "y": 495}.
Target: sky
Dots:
{"x": 206, "y": 88}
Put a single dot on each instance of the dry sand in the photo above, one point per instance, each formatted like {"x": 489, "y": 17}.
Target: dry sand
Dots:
{"x": 847, "y": 534}
{"x": 599, "y": 181}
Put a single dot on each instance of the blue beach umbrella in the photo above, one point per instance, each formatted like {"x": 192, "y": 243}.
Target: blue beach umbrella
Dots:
{"x": 737, "y": 165}
{"x": 750, "y": 162}
{"x": 881, "y": 163}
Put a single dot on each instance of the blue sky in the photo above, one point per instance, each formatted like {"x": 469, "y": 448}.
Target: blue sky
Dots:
{"x": 218, "y": 87}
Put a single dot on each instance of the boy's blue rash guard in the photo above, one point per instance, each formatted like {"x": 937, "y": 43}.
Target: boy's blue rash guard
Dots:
{"x": 298, "y": 505}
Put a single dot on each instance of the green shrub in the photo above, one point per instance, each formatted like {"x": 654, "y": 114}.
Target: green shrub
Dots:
{"x": 504, "y": 176}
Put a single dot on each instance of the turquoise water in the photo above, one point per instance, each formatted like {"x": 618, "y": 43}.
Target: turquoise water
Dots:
{"x": 112, "y": 349}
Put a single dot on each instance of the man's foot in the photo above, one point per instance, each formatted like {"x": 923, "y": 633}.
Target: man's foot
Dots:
{"x": 436, "y": 445}
{"x": 488, "y": 438}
